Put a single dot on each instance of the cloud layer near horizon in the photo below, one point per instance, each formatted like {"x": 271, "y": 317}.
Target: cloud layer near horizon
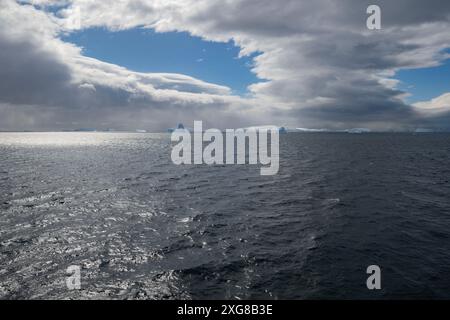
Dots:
{"x": 322, "y": 67}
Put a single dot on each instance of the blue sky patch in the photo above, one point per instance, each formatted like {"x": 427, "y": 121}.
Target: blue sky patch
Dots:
{"x": 145, "y": 50}
{"x": 425, "y": 84}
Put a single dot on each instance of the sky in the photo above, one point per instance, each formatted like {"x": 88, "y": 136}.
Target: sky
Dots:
{"x": 149, "y": 64}
{"x": 425, "y": 83}
{"x": 144, "y": 50}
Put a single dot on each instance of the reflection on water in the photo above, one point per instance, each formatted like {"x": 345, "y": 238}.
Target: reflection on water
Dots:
{"x": 143, "y": 228}
{"x": 68, "y": 139}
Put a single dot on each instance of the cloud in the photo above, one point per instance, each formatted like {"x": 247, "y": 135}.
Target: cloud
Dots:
{"x": 42, "y": 75}
{"x": 321, "y": 66}
{"x": 433, "y": 114}
{"x": 435, "y": 106}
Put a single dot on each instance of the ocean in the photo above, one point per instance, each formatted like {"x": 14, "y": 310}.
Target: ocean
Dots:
{"x": 140, "y": 227}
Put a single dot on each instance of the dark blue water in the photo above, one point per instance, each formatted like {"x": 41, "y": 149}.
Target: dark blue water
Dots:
{"x": 143, "y": 228}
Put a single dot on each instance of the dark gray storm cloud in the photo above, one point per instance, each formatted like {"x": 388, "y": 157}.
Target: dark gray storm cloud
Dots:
{"x": 30, "y": 75}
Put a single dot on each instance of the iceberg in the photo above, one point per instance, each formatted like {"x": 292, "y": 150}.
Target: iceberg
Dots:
{"x": 423, "y": 130}
{"x": 311, "y": 130}
{"x": 180, "y": 127}
{"x": 358, "y": 130}
{"x": 280, "y": 130}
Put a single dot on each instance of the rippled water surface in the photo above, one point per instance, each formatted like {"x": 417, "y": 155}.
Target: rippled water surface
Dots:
{"x": 143, "y": 228}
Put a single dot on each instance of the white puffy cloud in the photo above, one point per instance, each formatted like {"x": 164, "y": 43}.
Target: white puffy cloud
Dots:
{"x": 435, "y": 106}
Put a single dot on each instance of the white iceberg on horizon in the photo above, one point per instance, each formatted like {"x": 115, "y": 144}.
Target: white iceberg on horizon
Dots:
{"x": 358, "y": 130}
{"x": 311, "y": 130}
